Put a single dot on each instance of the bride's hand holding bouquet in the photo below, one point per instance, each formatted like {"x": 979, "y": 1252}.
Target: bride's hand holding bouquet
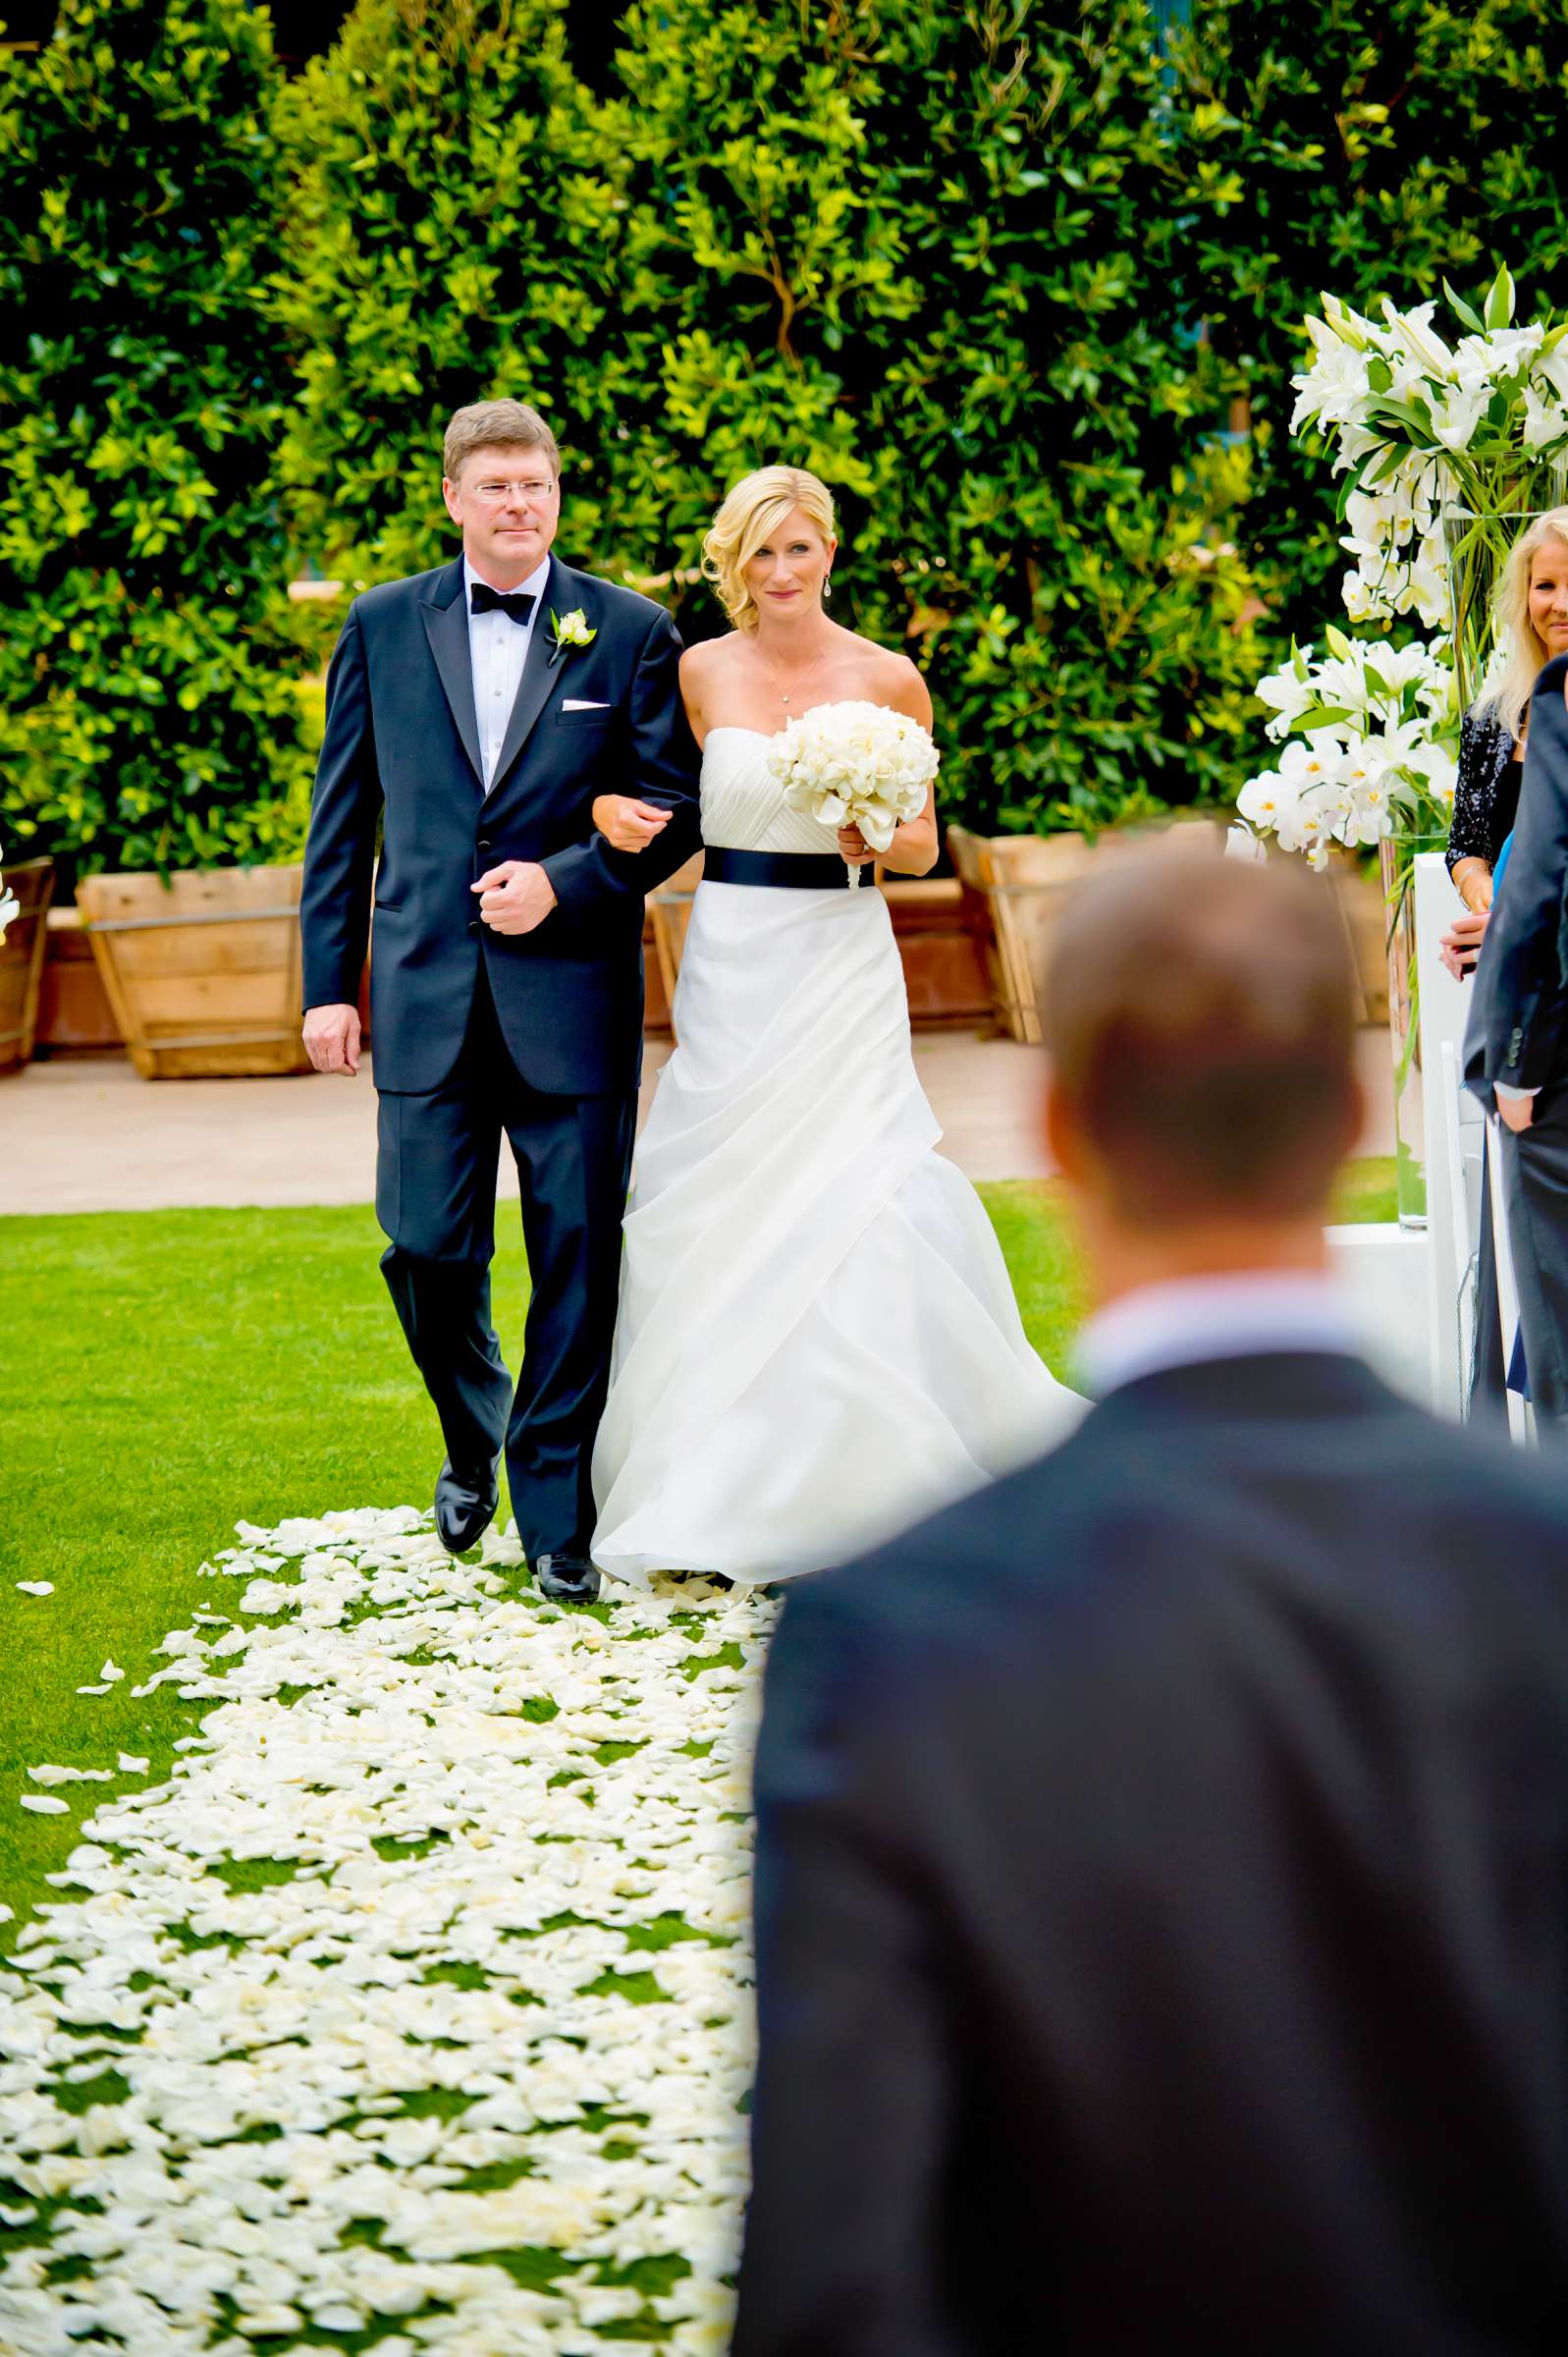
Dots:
{"x": 863, "y": 769}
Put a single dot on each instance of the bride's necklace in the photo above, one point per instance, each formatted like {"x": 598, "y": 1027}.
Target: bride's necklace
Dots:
{"x": 784, "y": 693}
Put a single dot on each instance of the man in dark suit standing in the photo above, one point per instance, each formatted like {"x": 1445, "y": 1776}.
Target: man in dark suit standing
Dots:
{"x": 1163, "y": 1875}
{"x": 476, "y": 712}
{"x": 1516, "y": 1048}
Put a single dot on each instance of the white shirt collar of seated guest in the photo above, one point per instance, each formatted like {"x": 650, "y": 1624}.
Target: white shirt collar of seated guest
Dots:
{"x": 1195, "y": 1319}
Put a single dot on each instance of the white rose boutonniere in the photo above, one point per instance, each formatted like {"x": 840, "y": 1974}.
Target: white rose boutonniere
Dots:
{"x": 569, "y": 630}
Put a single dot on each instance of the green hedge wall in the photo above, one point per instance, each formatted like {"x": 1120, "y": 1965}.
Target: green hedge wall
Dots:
{"x": 145, "y": 719}
{"x": 452, "y": 231}
{"x": 1022, "y": 277}
{"x": 925, "y": 252}
{"x": 1371, "y": 147}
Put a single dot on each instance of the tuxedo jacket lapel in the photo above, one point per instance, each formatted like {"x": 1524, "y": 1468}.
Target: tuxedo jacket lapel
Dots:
{"x": 446, "y": 621}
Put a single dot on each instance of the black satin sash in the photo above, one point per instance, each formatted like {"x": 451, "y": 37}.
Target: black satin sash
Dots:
{"x": 809, "y": 871}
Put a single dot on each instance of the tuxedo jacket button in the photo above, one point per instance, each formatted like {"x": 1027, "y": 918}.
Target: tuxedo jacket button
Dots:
{"x": 473, "y": 924}
{"x": 484, "y": 844}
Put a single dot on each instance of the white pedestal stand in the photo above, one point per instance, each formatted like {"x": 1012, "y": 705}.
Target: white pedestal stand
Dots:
{"x": 1409, "y": 1292}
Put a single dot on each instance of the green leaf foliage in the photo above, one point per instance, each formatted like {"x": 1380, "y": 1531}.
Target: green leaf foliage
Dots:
{"x": 1370, "y": 147}
{"x": 1022, "y": 279}
{"x": 904, "y": 248}
{"x": 909, "y": 249}
{"x": 917, "y": 251}
{"x": 453, "y": 236}
{"x": 144, "y": 719}
{"x": 1054, "y": 504}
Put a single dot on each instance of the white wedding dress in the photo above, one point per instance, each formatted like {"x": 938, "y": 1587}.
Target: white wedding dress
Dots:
{"x": 818, "y": 1341}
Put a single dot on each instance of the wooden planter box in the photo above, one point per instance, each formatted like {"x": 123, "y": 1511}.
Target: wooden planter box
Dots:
{"x": 1017, "y": 886}
{"x": 202, "y": 973}
{"x": 75, "y": 1016}
{"x": 32, "y": 883}
{"x": 668, "y": 915}
{"x": 655, "y": 997}
{"x": 943, "y": 970}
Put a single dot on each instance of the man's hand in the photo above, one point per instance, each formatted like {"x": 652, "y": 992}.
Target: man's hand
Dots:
{"x": 332, "y": 1038}
{"x": 1516, "y": 1113}
{"x": 514, "y": 896}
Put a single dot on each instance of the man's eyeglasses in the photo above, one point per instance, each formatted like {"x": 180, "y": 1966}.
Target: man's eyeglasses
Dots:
{"x": 535, "y": 489}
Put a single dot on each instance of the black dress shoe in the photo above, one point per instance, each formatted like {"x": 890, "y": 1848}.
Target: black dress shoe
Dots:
{"x": 466, "y": 1497}
{"x": 566, "y": 1579}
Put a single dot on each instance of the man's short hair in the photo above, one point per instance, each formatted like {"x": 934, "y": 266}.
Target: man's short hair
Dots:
{"x": 1200, "y": 1019}
{"x": 495, "y": 426}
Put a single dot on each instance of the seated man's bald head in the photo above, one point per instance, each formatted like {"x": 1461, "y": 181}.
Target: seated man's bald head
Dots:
{"x": 1201, "y": 1026}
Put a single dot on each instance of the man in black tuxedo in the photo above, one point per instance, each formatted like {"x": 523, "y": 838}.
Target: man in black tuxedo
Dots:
{"x": 1516, "y": 1048}
{"x": 1163, "y": 1873}
{"x": 476, "y": 713}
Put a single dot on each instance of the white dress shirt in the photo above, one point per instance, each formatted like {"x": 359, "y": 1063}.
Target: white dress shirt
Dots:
{"x": 1194, "y": 1319}
{"x": 497, "y": 648}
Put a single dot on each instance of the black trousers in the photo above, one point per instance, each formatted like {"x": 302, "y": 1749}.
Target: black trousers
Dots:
{"x": 1534, "y": 1173}
{"x": 436, "y": 1202}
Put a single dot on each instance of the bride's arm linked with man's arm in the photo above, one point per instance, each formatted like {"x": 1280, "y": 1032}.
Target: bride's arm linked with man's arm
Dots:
{"x": 602, "y": 870}
{"x": 590, "y": 877}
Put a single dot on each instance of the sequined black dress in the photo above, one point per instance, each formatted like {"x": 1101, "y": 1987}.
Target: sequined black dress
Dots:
{"x": 1487, "y": 795}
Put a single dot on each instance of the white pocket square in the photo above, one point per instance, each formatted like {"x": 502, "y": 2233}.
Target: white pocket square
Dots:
{"x": 577, "y": 703}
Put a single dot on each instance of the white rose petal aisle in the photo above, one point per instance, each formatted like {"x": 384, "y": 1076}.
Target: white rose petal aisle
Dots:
{"x": 413, "y": 2012}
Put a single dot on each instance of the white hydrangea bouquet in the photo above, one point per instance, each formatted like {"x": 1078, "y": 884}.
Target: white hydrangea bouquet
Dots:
{"x": 855, "y": 765}
{"x": 1371, "y": 740}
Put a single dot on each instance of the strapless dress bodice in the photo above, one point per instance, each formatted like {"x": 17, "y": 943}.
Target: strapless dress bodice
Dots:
{"x": 743, "y": 806}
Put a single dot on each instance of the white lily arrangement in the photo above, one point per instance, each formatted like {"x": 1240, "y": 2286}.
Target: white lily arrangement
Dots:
{"x": 1371, "y": 735}
{"x": 1444, "y": 442}
{"x": 1421, "y": 422}
{"x": 8, "y": 908}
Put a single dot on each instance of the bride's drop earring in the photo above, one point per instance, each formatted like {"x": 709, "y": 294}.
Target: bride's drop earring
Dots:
{"x": 826, "y": 588}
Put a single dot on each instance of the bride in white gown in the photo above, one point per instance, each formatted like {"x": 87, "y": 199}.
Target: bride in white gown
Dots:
{"x": 818, "y": 1341}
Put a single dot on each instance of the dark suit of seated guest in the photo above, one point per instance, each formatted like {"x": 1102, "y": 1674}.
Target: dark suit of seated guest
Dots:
{"x": 1162, "y": 1875}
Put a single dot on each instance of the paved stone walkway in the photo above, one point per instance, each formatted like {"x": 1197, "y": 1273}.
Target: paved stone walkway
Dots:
{"x": 85, "y": 1135}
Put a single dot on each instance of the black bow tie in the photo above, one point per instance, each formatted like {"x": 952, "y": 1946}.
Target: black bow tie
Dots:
{"x": 518, "y": 603}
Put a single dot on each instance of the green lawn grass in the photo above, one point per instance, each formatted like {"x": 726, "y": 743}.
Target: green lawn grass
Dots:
{"x": 164, "y": 1373}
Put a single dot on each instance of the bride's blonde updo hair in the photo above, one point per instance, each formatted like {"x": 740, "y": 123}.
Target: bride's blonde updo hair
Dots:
{"x": 752, "y": 512}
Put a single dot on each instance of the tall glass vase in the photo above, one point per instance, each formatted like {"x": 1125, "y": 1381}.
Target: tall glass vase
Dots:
{"x": 1484, "y": 511}
{"x": 1396, "y": 863}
